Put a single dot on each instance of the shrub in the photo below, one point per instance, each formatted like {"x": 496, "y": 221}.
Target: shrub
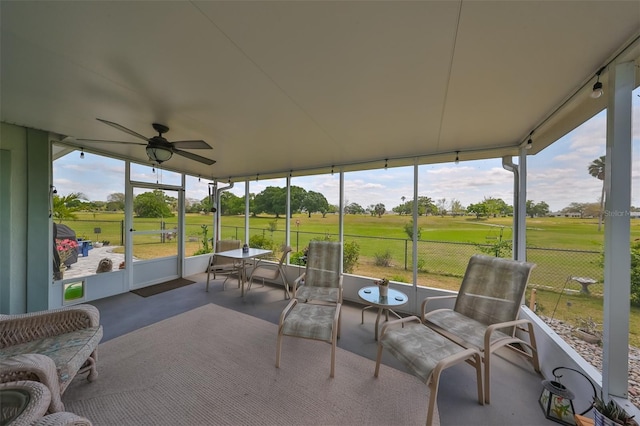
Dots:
{"x": 383, "y": 259}
{"x": 408, "y": 228}
{"x": 351, "y": 253}
{"x": 261, "y": 242}
{"x": 421, "y": 264}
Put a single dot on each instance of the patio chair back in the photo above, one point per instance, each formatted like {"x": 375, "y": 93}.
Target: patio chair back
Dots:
{"x": 492, "y": 289}
{"x": 323, "y": 264}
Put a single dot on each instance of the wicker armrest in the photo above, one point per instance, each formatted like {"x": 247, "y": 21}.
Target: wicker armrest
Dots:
{"x": 22, "y": 328}
{"x": 62, "y": 419}
{"x": 36, "y": 367}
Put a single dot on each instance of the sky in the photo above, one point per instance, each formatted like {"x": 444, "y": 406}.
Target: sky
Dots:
{"x": 557, "y": 175}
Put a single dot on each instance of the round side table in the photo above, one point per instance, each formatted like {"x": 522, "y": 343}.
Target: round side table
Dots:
{"x": 371, "y": 295}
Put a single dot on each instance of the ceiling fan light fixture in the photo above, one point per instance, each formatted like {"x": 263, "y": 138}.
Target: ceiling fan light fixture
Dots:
{"x": 158, "y": 154}
{"x": 597, "y": 90}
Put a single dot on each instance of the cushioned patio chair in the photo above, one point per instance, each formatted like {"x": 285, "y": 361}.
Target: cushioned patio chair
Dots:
{"x": 322, "y": 279}
{"x": 314, "y": 312}
{"x": 50, "y": 347}
{"x": 485, "y": 314}
{"x": 221, "y": 264}
{"x": 272, "y": 272}
{"x": 426, "y": 354}
{"x": 310, "y": 321}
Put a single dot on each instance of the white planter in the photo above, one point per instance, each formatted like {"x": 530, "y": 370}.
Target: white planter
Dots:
{"x": 601, "y": 420}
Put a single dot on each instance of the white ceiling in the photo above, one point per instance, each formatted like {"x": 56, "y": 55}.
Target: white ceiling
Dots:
{"x": 302, "y": 86}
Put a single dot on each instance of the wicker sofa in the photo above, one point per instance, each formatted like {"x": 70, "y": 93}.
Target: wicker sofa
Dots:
{"x": 50, "y": 347}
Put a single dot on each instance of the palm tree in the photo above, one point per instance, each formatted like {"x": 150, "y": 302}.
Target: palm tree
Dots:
{"x": 596, "y": 169}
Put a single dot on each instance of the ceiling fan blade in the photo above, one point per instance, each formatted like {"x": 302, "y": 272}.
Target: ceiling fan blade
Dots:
{"x": 110, "y": 141}
{"x": 199, "y": 144}
{"x": 195, "y": 157}
{"x": 123, "y": 129}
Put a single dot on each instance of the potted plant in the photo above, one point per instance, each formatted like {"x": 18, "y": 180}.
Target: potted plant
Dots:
{"x": 588, "y": 330}
{"x": 610, "y": 414}
{"x": 383, "y": 286}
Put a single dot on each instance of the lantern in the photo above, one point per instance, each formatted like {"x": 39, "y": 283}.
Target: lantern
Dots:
{"x": 557, "y": 402}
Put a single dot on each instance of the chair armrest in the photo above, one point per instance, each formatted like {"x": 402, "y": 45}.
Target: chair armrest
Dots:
{"x": 432, "y": 298}
{"x": 286, "y": 310}
{"x": 300, "y": 278}
{"x": 36, "y": 367}
{"x": 22, "y": 328}
{"x": 507, "y": 324}
{"x": 62, "y": 419}
{"x": 398, "y": 322}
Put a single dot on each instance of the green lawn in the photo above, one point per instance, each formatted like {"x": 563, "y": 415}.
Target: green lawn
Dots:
{"x": 445, "y": 246}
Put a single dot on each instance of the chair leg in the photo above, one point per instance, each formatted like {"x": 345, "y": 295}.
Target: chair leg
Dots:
{"x": 478, "y": 365}
{"x": 208, "y": 275}
{"x": 279, "y": 347}
{"x": 433, "y": 394}
{"x": 378, "y": 359}
{"x": 487, "y": 376}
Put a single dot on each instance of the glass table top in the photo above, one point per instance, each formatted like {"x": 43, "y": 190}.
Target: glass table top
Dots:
{"x": 371, "y": 295}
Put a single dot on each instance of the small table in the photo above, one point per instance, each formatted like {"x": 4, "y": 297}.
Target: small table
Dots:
{"x": 371, "y": 295}
{"x": 242, "y": 256}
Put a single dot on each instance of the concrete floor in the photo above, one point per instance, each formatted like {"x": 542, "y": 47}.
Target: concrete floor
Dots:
{"x": 515, "y": 386}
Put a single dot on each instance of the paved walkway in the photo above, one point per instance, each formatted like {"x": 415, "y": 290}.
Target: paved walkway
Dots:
{"x": 86, "y": 265}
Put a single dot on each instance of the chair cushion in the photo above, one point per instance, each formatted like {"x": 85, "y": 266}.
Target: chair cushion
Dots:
{"x": 461, "y": 329}
{"x": 68, "y": 351}
{"x": 325, "y": 294}
{"x": 418, "y": 348}
{"x": 310, "y": 321}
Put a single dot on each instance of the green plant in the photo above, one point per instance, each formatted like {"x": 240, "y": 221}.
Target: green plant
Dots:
{"x": 399, "y": 279}
{"x": 297, "y": 258}
{"x": 261, "y": 242}
{"x": 422, "y": 263}
{"x": 351, "y": 254}
{"x": 382, "y": 258}
{"x": 205, "y": 241}
{"x": 612, "y": 411}
{"x": 408, "y": 229}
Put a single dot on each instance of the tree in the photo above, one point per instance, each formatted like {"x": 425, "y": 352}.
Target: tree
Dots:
{"x": 479, "y": 209}
{"x": 408, "y": 228}
{"x": 297, "y": 198}
{"x": 597, "y": 170}
{"x": 442, "y": 206}
{"x": 354, "y": 208}
{"x": 540, "y": 209}
{"x": 230, "y": 204}
{"x": 379, "y": 209}
{"x": 426, "y": 206}
{"x": 151, "y": 204}
{"x": 115, "y": 201}
{"x": 271, "y": 200}
{"x": 404, "y": 208}
{"x": 64, "y": 207}
{"x": 315, "y": 202}
{"x": 456, "y": 207}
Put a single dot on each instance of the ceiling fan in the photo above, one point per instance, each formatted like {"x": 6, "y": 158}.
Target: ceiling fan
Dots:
{"x": 158, "y": 148}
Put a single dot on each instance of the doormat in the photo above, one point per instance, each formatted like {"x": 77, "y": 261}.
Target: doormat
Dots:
{"x": 162, "y": 287}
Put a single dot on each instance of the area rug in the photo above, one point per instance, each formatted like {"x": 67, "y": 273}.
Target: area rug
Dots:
{"x": 162, "y": 287}
{"x": 216, "y": 366}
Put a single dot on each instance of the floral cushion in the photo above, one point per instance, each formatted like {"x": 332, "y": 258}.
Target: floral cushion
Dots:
{"x": 68, "y": 351}
{"x": 310, "y": 321}
{"x": 418, "y": 348}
